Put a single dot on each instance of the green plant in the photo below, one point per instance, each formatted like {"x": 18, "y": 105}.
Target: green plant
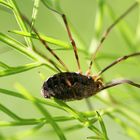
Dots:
{"x": 73, "y": 117}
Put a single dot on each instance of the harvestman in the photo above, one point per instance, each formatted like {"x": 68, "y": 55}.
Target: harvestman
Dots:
{"x": 75, "y": 86}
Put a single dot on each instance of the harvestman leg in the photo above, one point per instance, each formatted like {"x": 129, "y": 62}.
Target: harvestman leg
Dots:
{"x": 72, "y": 42}
{"x": 118, "y": 61}
{"x": 107, "y": 32}
{"x": 46, "y": 46}
{"x": 120, "y": 81}
{"x": 70, "y": 37}
{"x": 49, "y": 60}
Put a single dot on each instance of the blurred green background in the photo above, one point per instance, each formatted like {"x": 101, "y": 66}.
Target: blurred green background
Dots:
{"x": 82, "y": 15}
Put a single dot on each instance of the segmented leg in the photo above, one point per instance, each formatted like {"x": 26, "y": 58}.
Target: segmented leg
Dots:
{"x": 72, "y": 42}
{"x": 49, "y": 60}
{"x": 45, "y": 44}
{"x": 108, "y": 31}
{"x": 118, "y": 61}
{"x": 120, "y": 81}
{"x": 69, "y": 35}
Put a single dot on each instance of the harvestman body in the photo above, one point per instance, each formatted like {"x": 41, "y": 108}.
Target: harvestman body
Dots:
{"x": 75, "y": 86}
{"x": 70, "y": 86}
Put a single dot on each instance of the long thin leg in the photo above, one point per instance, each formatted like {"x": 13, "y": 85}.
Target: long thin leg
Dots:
{"x": 120, "y": 81}
{"x": 72, "y": 42}
{"x": 70, "y": 37}
{"x": 49, "y": 60}
{"x": 118, "y": 61}
{"x": 108, "y": 31}
{"x": 45, "y": 44}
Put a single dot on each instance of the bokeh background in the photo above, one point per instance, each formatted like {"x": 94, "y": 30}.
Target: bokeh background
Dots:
{"x": 82, "y": 16}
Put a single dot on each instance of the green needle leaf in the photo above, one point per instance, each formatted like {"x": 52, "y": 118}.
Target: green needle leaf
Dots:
{"x": 19, "y": 69}
{"x": 102, "y": 125}
{"x": 44, "y": 37}
{"x": 49, "y": 118}
{"x": 20, "y": 22}
{"x": 35, "y": 12}
{"x": 8, "y": 112}
{"x": 5, "y": 4}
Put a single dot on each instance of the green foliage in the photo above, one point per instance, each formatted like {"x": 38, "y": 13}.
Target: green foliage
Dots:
{"x": 110, "y": 107}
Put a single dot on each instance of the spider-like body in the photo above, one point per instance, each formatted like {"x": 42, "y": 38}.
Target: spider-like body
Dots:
{"x": 71, "y": 86}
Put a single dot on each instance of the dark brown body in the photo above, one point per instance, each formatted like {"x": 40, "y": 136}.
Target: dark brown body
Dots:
{"x": 70, "y": 86}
